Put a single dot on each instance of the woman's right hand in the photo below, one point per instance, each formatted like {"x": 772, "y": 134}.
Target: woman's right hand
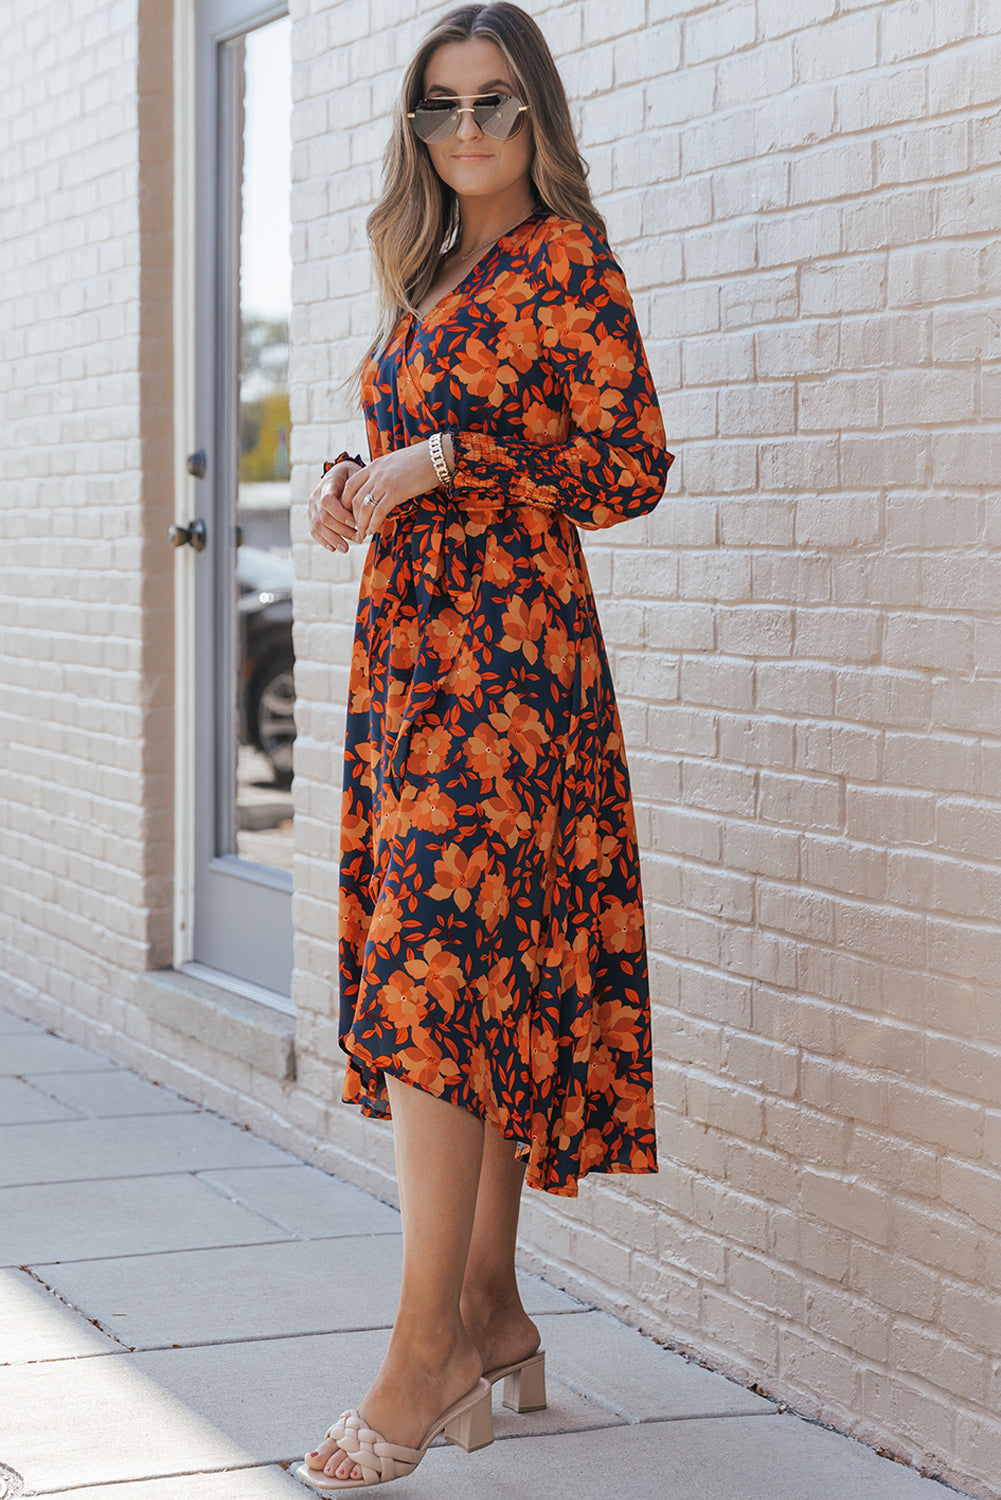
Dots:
{"x": 331, "y": 522}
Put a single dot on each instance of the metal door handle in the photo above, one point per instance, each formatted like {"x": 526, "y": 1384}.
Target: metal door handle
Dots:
{"x": 193, "y": 535}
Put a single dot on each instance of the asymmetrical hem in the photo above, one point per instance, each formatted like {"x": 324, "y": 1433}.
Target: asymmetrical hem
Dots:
{"x": 491, "y": 937}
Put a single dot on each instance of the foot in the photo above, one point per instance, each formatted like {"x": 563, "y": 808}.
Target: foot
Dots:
{"x": 502, "y": 1331}
{"x": 414, "y": 1386}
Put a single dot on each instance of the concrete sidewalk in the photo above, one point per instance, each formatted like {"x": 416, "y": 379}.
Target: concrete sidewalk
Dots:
{"x": 184, "y": 1309}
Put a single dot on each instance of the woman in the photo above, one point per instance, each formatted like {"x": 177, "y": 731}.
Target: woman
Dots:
{"x": 493, "y": 973}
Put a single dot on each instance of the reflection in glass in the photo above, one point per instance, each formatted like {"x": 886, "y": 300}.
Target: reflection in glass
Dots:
{"x": 265, "y": 694}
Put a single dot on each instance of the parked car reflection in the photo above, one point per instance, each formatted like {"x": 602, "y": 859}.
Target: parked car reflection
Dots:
{"x": 266, "y": 688}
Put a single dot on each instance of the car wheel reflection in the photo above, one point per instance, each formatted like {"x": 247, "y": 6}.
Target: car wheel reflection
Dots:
{"x": 267, "y": 690}
{"x": 273, "y": 714}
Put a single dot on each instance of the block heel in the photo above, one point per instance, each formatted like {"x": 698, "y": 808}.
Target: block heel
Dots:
{"x": 525, "y": 1387}
{"x": 473, "y": 1428}
{"x": 524, "y": 1383}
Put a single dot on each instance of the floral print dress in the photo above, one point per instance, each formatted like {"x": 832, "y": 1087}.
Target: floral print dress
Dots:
{"x": 491, "y": 938}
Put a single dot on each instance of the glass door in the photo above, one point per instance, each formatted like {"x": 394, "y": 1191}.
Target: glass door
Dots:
{"x": 244, "y": 696}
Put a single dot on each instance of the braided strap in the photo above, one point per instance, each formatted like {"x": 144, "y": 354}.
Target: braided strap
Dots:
{"x": 378, "y": 1460}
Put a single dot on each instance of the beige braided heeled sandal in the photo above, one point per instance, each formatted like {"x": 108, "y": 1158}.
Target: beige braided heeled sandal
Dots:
{"x": 524, "y": 1382}
{"x": 468, "y": 1422}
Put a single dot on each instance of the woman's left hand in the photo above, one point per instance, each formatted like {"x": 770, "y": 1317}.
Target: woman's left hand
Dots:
{"x": 389, "y": 480}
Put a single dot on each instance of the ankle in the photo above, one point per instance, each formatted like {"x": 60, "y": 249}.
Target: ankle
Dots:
{"x": 430, "y": 1344}
{"x": 491, "y": 1304}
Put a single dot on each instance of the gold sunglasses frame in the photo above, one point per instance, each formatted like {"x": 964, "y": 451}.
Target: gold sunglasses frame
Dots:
{"x": 469, "y": 109}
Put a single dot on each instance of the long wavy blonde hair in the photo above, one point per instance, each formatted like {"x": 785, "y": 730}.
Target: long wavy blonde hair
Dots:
{"x": 416, "y": 220}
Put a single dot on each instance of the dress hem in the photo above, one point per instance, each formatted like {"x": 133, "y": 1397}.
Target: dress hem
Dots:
{"x": 374, "y": 1108}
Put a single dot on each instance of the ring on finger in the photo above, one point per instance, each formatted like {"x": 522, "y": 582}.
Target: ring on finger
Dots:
{"x": 369, "y": 500}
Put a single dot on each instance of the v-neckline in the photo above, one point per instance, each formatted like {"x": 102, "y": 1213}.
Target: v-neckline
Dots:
{"x": 418, "y": 321}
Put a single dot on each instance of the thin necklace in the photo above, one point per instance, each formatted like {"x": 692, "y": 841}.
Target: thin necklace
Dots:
{"x": 491, "y": 241}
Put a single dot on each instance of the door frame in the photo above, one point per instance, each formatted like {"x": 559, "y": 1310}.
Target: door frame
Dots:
{"x": 186, "y": 500}
{"x": 184, "y": 489}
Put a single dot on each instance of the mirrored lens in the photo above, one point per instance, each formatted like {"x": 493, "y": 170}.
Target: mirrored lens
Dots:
{"x": 497, "y": 115}
{"x": 436, "y": 119}
{"x": 499, "y": 118}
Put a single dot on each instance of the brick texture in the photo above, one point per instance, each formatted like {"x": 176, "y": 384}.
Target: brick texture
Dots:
{"x": 86, "y": 474}
{"x": 805, "y": 636}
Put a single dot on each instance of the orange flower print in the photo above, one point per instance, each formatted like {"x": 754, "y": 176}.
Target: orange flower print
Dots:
{"x": 498, "y": 565}
{"x": 403, "y": 650}
{"x": 430, "y": 750}
{"x": 480, "y": 1073}
{"x": 574, "y": 250}
{"x": 572, "y": 1122}
{"x": 440, "y": 973}
{"x": 355, "y": 829}
{"x": 492, "y": 900}
{"x": 487, "y": 752}
{"x": 395, "y": 698}
{"x": 361, "y": 690}
{"x": 427, "y": 1065}
{"x": 545, "y": 830}
{"x": 622, "y": 927}
{"x": 491, "y": 948}
{"x": 423, "y": 375}
{"x": 506, "y": 814}
{"x": 523, "y": 625}
{"x": 523, "y": 727}
{"x": 610, "y": 846}
{"x": 386, "y": 920}
{"x": 404, "y": 1000}
{"x": 613, "y": 361}
{"x": 543, "y": 425}
{"x": 601, "y": 1069}
{"x": 519, "y": 344}
{"x": 545, "y": 1051}
{"x": 593, "y": 1148}
{"x": 456, "y": 873}
{"x": 558, "y": 654}
{"x": 496, "y": 990}
{"x": 599, "y": 408}
{"x": 551, "y": 562}
{"x": 586, "y": 842}
{"x": 576, "y": 967}
{"x": 445, "y": 633}
{"x": 464, "y": 678}
{"x": 567, "y": 327}
{"x": 590, "y": 454}
{"x": 507, "y": 291}
{"x": 617, "y": 1024}
{"x": 482, "y": 374}
{"x": 352, "y": 919}
{"x": 428, "y": 808}
{"x": 651, "y": 425}
{"x": 364, "y": 764}
{"x": 411, "y": 385}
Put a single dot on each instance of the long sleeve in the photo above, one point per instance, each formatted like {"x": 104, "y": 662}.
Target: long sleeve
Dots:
{"x": 578, "y": 341}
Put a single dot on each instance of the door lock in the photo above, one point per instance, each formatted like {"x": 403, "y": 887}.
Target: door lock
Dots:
{"x": 193, "y": 535}
{"x": 196, "y": 463}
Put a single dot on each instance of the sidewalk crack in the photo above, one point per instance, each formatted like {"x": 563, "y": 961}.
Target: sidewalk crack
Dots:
{"x": 96, "y": 1322}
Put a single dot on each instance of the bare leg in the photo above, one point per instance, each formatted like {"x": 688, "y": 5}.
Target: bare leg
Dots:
{"x": 491, "y": 1303}
{"x": 431, "y": 1360}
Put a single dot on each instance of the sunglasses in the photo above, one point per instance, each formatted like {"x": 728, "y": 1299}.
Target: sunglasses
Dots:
{"x": 497, "y": 115}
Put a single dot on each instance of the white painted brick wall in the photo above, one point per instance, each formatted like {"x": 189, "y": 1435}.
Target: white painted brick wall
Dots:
{"x": 807, "y": 648}
{"x": 85, "y": 465}
{"x": 805, "y": 634}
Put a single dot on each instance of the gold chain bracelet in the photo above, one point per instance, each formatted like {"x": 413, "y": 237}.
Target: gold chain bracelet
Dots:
{"x": 438, "y": 460}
